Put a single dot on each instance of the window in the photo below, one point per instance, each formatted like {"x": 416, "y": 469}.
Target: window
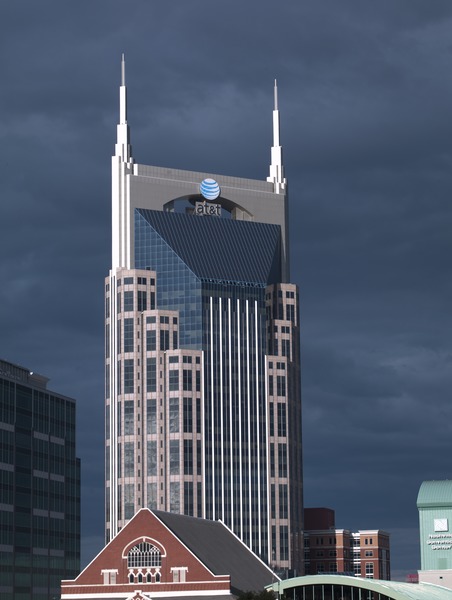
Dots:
{"x": 174, "y": 457}
{"x": 188, "y": 457}
{"x": 174, "y": 415}
{"x": 281, "y": 385}
{"x": 187, "y": 380}
{"x": 285, "y": 348}
{"x": 272, "y": 460}
{"x": 282, "y": 428}
{"x": 151, "y": 343}
{"x": 282, "y": 460}
{"x": 164, "y": 340}
{"x": 128, "y": 301}
{"x": 283, "y": 508}
{"x": 188, "y": 415}
{"x": 284, "y": 542}
{"x": 198, "y": 415}
{"x": 128, "y": 376}
{"x": 129, "y": 502}
{"x": 142, "y": 300}
{"x": 151, "y": 375}
{"x": 174, "y": 496}
{"x": 369, "y": 570}
{"x": 151, "y": 415}
{"x": 128, "y": 335}
{"x": 173, "y": 380}
{"x": 128, "y": 417}
{"x": 179, "y": 573}
{"x": 152, "y": 458}
{"x": 128, "y": 459}
{"x": 144, "y": 555}
{"x": 369, "y": 553}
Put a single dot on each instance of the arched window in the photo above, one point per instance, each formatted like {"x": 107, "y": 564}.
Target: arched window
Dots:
{"x": 144, "y": 555}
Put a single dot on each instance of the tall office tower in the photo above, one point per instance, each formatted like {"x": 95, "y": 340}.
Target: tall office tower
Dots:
{"x": 39, "y": 487}
{"x": 203, "y": 410}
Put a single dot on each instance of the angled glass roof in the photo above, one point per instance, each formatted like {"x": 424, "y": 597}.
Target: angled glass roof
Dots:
{"x": 221, "y": 250}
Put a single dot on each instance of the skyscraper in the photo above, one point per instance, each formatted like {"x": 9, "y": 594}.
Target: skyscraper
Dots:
{"x": 39, "y": 487}
{"x": 203, "y": 409}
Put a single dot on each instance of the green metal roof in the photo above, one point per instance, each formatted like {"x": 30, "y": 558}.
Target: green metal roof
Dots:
{"x": 435, "y": 493}
{"x": 395, "y": 590}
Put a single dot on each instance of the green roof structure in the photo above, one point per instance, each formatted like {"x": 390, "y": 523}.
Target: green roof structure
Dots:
{"x": 435, "y": 493}
{"x": 354, "y": 588}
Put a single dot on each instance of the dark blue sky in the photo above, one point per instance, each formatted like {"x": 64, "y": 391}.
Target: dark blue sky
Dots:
{"x": 365, "y": 94}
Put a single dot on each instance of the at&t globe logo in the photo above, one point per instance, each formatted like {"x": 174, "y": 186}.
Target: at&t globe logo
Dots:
{"x": 210, "y": 189}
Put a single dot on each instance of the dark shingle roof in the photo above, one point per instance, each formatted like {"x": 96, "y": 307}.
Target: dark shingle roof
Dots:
{"x": 220, "y": 550}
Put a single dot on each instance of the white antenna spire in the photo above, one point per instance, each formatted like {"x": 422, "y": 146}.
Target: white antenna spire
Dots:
{"x": 122, "y": 167}
{"x": 123, "y": 148}
{"x": 276, "y": 175}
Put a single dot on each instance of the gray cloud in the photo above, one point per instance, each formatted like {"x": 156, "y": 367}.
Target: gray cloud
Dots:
{"x": 365, "y": 94}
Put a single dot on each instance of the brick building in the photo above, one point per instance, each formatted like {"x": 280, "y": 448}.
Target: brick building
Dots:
{"x": 159, "y": 554}
{"x": 329, "y": 550}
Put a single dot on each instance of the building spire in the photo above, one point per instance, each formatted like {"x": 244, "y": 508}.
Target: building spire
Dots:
{"x": 123, "y": 148}
{"x": 276, "y": 175}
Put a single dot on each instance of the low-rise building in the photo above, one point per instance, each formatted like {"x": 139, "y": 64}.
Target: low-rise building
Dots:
{"x": 165, "y": 555}
{"x": 365, "y": 553}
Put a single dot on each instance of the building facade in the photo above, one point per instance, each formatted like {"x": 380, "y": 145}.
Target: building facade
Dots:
{"x": 164, "y": 555}
{"x": 434, "y": 503}
{"x": 39, "y": 489}
{"x": 203, "y": 409}
{"x": 365, "y": 553}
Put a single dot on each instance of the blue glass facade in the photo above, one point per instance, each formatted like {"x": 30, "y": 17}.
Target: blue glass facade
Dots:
{"x": 214, "y": 273}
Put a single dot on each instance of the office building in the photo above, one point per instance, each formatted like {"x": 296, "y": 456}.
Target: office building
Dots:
{"x": 203, "y": 409}
{"x": 365, "y": 553}
{"x": 39, "y": 487}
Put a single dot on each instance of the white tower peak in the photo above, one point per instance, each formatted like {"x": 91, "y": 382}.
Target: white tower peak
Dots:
{"x": 276, "y": 175}
{"x": 122, "y": 167}
{"x": 123, "y": 148}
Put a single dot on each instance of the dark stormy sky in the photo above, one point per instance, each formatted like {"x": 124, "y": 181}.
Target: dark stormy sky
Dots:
{"x": 366, "y": 123}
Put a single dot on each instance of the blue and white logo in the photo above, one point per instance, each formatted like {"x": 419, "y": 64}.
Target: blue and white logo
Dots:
{"x": 210, "y": 189}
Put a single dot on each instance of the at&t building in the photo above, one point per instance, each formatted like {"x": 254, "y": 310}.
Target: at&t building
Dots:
{"x": 203, "y": 408}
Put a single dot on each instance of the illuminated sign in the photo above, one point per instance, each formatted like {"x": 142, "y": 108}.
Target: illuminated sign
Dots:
{"x": 209, "y": 189}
